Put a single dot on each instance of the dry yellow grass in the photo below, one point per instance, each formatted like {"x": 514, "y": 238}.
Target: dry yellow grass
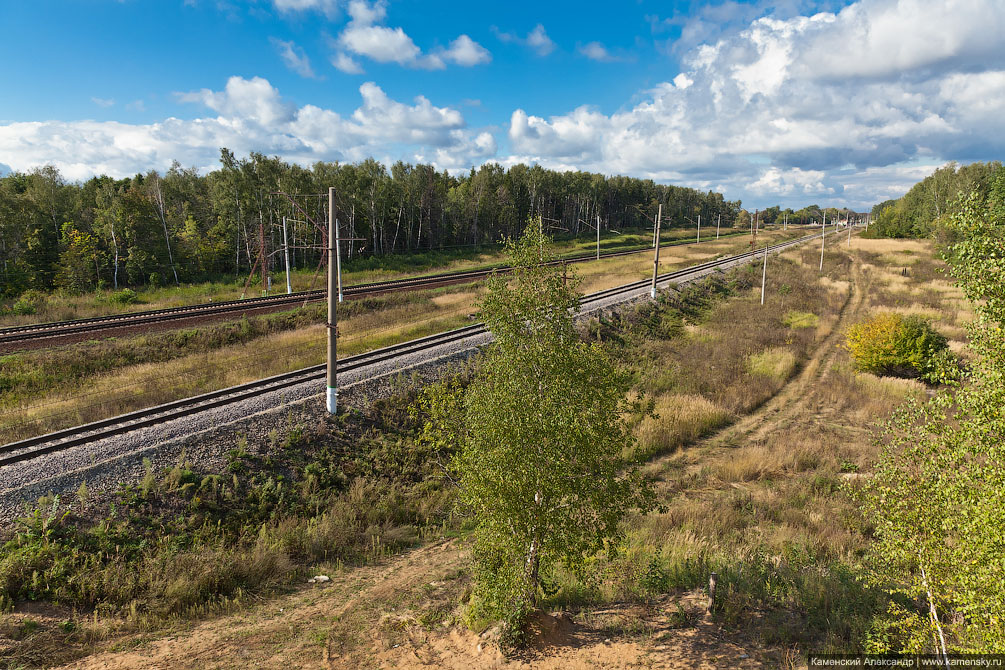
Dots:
{"x": 914, "y": 309}
{"x": 797, "y": 319}
{"x": 680, "y": 419}
{"x": 776, "y": 363}
{"x": 887, "y": 246}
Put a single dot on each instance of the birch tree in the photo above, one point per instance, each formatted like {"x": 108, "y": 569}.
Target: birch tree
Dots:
{"x": 539, "y": 462}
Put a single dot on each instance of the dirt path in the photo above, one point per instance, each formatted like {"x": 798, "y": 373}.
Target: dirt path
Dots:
{"x": 286, "y": 632}
{"x": 792, "y": 400}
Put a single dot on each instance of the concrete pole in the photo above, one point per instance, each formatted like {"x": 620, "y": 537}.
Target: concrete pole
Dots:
{"x": 332, "y": 387}
{"x": 338, "y": 261}
{"x": 764, "y": 272}
{"x": 698, "y": 241}
{"x": 718, "y": 223}
{"x": 823, "y": 234}
{"x": 286, "y": 253}
{"x": 598, "y": 237}
{"x": 656, "y": 255}
{"x": 849, "y": 231}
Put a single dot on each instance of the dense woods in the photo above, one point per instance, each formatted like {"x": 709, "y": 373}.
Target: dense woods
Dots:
{"x": 925, "y": 209}
{"x": 184, "y": 226}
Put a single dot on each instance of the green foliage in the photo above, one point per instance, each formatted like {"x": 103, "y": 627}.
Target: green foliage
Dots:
{"x": 126, "y": 296}
{"x": 411, "y": 216}
{"x": 937, "y": 499}
{"x": 899, "y": 346}
{"x": 926, "y": 208}
{"x": 29, "y": 302}
{"x": 539, "y": 447}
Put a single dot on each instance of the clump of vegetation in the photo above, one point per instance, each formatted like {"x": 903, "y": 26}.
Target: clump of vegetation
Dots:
{"x": 938, "y": 496}
{"x": 126, "y": 296}
{"x": 29, "y": 303}
{"x": 899, "y": 346}
{"x": 797, "y": 319}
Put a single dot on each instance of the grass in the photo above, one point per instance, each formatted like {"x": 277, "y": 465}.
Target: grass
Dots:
{"x": 56, "y": 306}
{"x": 182, "y": 543}
{"x": 50, "y": 389}
{"x": 764, "y": 505}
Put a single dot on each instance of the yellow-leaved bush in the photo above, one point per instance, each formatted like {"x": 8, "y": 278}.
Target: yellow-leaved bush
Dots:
{"x": 896, "y": 345}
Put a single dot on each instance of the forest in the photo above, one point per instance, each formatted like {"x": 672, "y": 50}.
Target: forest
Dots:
{"x": 183, "y": 226}
{"x": 923, "y": 210}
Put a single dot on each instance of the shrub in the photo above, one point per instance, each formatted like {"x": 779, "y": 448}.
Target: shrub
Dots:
{"x": 29, "y": 303}
{"x": 126, "y": 296}
{"x": 895, "y": 345}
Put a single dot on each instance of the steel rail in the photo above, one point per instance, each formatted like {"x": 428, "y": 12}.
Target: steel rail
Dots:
{"x": 56, "y": 329}
{"x": 33, "y": 447}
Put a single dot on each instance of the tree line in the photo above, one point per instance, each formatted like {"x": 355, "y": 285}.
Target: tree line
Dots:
{"x": 183, "y": 226}
{"x": 925, "y": 209}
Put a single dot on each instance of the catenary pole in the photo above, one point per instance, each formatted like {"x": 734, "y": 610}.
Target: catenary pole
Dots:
{"x": 823, "y": 234}
{"x": 332, "y": 389}
{"x": 764, "y": 272}
{"x": 698, "y": 239}
{"x": 598, "y": 237}
{"x": 718, "y": 222}
{"x": 286, "y": 253}
{"x": 338, "y": 260}
{"x": 656, "y": 254}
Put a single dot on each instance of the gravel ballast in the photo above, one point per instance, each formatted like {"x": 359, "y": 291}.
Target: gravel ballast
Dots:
{"x": 205, "y": 438}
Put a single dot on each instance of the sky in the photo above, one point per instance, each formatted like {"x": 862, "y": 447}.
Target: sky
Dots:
{"x": 792, "y": 102}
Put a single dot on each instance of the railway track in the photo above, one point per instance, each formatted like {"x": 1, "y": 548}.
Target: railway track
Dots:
{"x": 50, "y": 334}
{"x": 30, "y": 448}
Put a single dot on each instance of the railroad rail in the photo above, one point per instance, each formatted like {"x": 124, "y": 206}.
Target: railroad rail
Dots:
{"x": 33, "y": 333}
{"x": 60, "y": 440}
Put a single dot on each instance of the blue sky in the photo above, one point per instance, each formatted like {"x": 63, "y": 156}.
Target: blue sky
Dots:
{"x": 792, "y": 102}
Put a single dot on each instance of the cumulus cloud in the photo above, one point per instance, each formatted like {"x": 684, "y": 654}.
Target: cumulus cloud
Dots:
{"x": 103, "y": 102}
{"x": 345, "y": 63}
{"x": 537, "y": 40}
{"x": 364, "y": 36}
{"x": 251, "y": 115}
{"x": 465, "y": 51}
{"x": 293, "y": 57}
{"x": 798, "y": 106}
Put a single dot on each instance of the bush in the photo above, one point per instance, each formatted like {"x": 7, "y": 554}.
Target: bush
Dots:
{"x": 126, "y": 296}
{"x": 894, "y": 345}
{"x": 29, "y": 303}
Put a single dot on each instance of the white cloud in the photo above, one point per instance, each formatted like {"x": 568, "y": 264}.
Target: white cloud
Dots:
{"x": 465, "y": 51}
{"x": 293, "y": 57}
{"x": 537, "y": 39}
{"x": 596, "y": 51}
{"x": 136, "y": 106}
{"x": 251, "y": 116}
{"x": 363, "y": 36}
{"x": 253, "y": 99}
{"x": 799, "y": 106}
{"x": 326, "y": 7}
{"x": 380, "y": 43}
{"x": 103, "y": 102}
{"x": 344, "y": 62}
